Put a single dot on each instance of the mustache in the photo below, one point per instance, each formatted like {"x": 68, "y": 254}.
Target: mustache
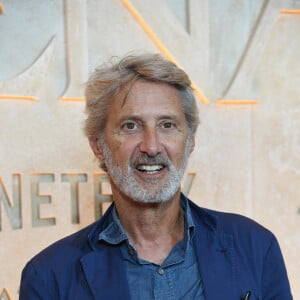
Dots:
{"x": 144, "y": 158}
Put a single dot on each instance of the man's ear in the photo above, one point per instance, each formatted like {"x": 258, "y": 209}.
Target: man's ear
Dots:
{"x": 192, "y": 144}
{"x": 97, "y": 149}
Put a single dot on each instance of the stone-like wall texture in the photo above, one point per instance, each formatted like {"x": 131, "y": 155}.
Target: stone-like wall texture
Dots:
{"x": 247, "y": 158}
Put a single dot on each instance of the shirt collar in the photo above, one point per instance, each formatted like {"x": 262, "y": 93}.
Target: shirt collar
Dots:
{"x": 115, "y": 233}
{"x": 189, "y": 223}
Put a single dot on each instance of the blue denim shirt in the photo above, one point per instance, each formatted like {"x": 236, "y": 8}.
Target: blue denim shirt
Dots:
{"x": 177, "y": 277}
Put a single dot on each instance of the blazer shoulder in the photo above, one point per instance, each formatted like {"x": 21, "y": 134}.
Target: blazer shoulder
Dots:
{"x": 63, "y": 250}
{"x": 232, "y": 224}
{"x": 73, "y": 246}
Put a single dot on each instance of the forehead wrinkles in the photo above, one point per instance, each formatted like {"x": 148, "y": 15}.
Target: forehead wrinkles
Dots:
{"x": 127, "y": 87}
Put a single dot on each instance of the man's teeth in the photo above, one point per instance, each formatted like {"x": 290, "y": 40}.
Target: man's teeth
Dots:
{"x": 150, "y": 168}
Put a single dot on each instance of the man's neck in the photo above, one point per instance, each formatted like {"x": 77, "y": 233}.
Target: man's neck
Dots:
{"x": 153, "y": 229}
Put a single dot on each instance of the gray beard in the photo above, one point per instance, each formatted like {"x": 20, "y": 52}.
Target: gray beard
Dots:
{"x": 126, "y": 182}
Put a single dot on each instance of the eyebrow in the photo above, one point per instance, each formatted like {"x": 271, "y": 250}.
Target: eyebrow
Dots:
{"x": 159, "y": 117}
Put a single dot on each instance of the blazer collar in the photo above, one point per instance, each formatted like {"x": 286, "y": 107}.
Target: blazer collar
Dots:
{"x": 106, "y": 264}
{"x": 216, "y": 264}
{"x": 103, "y": 266}
{"x": 215, "y": 254}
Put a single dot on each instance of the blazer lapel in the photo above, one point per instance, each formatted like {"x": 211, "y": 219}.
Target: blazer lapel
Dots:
{"x": 105, "y": 274}
{"x": 216, "y": 263}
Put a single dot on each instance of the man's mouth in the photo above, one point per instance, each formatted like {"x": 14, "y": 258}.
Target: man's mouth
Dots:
{"x": 150, "y": 169}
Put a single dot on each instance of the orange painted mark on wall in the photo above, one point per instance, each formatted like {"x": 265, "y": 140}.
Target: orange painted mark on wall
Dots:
{"x": 160, "y": 45}
{"x": 18, "y": 97}
{"x": 79, "y": 99}
{"x": 290, "y": 11}
{"x": 237, "y": 102}
{"x": 2, "y": 9}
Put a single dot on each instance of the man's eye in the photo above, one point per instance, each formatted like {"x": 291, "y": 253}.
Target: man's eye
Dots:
{"x": 168, "y": 125}
{"x": 129, "y": 125}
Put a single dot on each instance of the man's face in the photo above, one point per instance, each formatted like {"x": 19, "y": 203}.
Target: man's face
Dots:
{"x": 146, "y": 143}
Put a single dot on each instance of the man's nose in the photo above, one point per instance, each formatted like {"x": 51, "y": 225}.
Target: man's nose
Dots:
{"x": 150, "y": 143}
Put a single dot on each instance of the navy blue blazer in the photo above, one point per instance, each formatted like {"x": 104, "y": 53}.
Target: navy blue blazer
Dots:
{"x": 235, "y": 255}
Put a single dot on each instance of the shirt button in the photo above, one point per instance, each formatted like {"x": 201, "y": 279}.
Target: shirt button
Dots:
{"x": 131, "y": 251}
{"x": 161, "y": 271}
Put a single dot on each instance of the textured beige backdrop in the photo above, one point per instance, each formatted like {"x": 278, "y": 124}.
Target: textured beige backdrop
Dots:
{"x": 247, "y": 158}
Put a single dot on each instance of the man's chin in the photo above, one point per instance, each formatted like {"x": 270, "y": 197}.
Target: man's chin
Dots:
{"x": 148, "y": 196}
{"x": 149, "y": 201}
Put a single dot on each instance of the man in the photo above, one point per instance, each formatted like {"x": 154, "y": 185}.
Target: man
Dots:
{"x": 153, "y": 243}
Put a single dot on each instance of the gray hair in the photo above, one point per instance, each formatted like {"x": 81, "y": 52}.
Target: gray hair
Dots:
{"x": 107, "y": 81}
